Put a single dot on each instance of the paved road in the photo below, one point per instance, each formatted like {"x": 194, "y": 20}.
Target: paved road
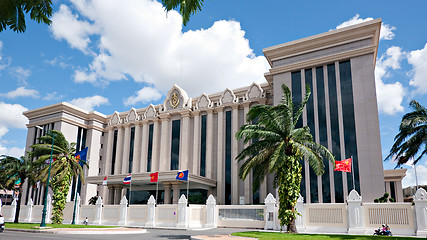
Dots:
{"x": 151, "y": 234}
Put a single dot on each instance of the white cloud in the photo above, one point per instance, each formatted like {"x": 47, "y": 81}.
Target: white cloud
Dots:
{"x": 52, "y": 96}
{"x": 13, "y": 151}
{"x": 20, "y": 73}
{"x": 389, "y": 95}
{"x": 409, "y": 179}
{"x": 145, "y": 95}
{"x": 11, "y": 117}
{"x": 148, "y": 46}
{"x": 89, "y": 103}
{"x": 418, "y": 60}
{"x": 21, "y": 92}
{"x": 386, "y": 32}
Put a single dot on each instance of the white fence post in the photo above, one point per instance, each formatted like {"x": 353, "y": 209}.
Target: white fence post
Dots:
{"x": 210, "y": 212}
{"x": 13, "y": 211}
{"x": 49, "y": 209}
{"x": 29, "y": 212}
{"x": 270, "y": 203}
{"x": 123, "y": 211}
{"x": 182, "y": 212}
{"x": 299, "y": 222}
{"x": 355, "y": 216}
{"x": 151, "y": 212}
{"x": 98, "y": 211}
{"x": 420, "y": 201}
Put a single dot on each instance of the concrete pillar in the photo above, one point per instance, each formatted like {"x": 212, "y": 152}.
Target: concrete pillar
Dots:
{"x": 98, "y": 211}
{"x": 248, "y": 181}
{"x": 167, "y": 187}
{"x": 123, "y": 211}
{"x": 164, "y": 143}
{"x": 299, "y": 222}
{"x": 144, "y": 147}
{"x": 185, "y": 161}
{"x": 211, "y": 212}
{"x": 117, "y": 195}
{"x": 29, "y": 213}
{"x": 78, "y": 199}
{"x": 125, "y": 155}
{"x": 155, "y": 161}
{"x": 220, "y": 190}
{"x": 420, "y": 201}
{"x": 151, "y": 212}
{"x": 182, "y": 212}
{"x": 110, "y": 200}
{"x": 119, "y": 151}
{"x": 196, "y": 143}
{"x": 176, "y": 190}
{"x": 109, "y": 151}
{"x": 137, "y": 159}
{"x": 355, "y": 214}
{"x": 209, "y": 144}
{"x": 270, "y": 210}
{"x": 234, "y": 152}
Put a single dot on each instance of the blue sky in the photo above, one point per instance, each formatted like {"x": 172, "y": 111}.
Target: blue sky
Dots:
{"x": 108, "y": 55}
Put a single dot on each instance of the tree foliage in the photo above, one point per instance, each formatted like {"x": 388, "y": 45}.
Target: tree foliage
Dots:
{"x": 412, "y": 136}
{"x": 186, "y": 7}
{"x": 12, "y": 13}
{"x": 277, "y": 146}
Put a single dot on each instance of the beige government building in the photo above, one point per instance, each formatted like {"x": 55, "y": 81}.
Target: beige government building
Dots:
{"x": 197, "y": 132}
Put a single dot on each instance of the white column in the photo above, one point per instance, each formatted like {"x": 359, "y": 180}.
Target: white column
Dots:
{"x": 234, "y": 152}
{"x": 109, "y": 151}
{"x": 420, "y": 201}
{"x": 167, "y": 188}
{"x": 155, "y": 161}
{"x": 137, "y": 150}
{"x": 119, "y": 151}
{"x": 248, "y": 180}
{"x": 182, "y": 212}
{"x": 355, "y": 215}
{"x": 185, "y": 161}
{"x": 117, "y": 195}
{"x": 196, "y": 143}
{"x": 209, "y": 144}
{"x": 144, "y": 147}
{"x": 220, "y": 189}
{"x": 164, "y": 144}
{"x": 176, "y": 190}
{"x": 123, "y": 211}
{"x": 125, "y": 155}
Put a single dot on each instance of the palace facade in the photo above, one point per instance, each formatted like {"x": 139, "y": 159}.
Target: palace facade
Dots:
{"x": 198, "y": 133}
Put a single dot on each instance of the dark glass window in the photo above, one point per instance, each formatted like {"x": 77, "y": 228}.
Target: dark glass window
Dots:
{"x": 392, "y": 190}
{"x": 113, "y": 159}
{"x": 297, "y": 93}
{"x": 228, "y": 137}
{"x": 310, "y": 124}
{"x": 203, "y": 147}
{"x": 176, "y": 129}
{"x": 348, "y": 122}
{"x": 335, "y": 132}
{"x": 323, "y": 135}
{"x": 150, "y": 147}
{"x": 131, "y": 147}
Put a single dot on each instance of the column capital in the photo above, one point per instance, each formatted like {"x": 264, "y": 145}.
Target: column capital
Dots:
{"x": 220, "y": 108}
{"x": 186, "y": 113}
{"x": 164, "y": 117}
{"x": 209, "y": 110}
{"x": 109, "y": 128}
{"x": 196, "y": 112}
{"x": 126, "y": 125}
{"x": 246, "y": 104}
{"x": 235, "y": 106}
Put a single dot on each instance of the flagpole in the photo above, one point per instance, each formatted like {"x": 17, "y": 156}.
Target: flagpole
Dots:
{"x": 188, "y": 184}
{"x": 352, "y": 172}
{"x": 416, "y": 177}
{"x": 157, "y": 189}
{"x": 130, "y": 191}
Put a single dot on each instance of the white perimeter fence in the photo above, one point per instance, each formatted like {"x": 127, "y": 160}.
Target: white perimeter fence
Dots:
{"x": 353, "y": 217}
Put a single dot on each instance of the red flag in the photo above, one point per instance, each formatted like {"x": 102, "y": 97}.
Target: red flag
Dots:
{"x": 154, "y": 177}
{"x": 343, "y": 166}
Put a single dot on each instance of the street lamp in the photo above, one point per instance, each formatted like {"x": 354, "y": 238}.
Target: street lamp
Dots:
{"x": 43, "y": 223}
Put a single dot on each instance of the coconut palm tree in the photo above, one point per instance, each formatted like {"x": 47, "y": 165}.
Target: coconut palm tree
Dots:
{"x": 64, "y": 167}
{"x": 280, "y": 148}
{"x": 14, "y": 172}
{"x": 186, "y": 7}
{"x": 412, "y": 136}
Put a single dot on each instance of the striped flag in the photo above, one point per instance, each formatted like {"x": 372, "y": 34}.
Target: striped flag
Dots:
{"x": 104, "y": 182}
{"x": 128, "y": 179}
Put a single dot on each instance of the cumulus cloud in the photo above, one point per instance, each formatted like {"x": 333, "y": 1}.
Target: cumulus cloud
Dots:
{"x": 53, "y": 96}
{"x": 148, "y": 46}
{"x": 418, "y": 60}
{"x": 20, "y": 73}
{"x": 409, "y": 179}
{"x": 21, "y": 92}
{"x": 145, "y": 95}
{"x": 386, "y": 32}
{"x": 13, "y": 151}
{"x": 89, "y": 103}
{"x": 389, "y": 95}
{"x": 11, "y": 117}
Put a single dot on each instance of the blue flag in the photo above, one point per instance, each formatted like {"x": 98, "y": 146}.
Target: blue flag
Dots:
{"x": 81, "y": 156}
{"x": 182, "y": 175}
{"x": 128, "y": 179}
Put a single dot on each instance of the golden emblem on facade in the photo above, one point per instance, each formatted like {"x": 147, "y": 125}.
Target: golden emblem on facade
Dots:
{"x": 174, "y": 100}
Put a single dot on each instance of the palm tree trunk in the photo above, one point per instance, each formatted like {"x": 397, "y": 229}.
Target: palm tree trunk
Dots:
{"x": 292, "y": 227}
{"x": 18, "y": 205}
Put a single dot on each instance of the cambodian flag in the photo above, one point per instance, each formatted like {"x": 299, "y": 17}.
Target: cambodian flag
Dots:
{"x": 128, "y": 179}
{"x": 183, "y": 175}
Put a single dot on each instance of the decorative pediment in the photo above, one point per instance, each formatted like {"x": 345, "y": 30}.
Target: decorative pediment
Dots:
{"x": 354, "y": 196}
{"x": 175, "y": 99}
{"x": 132, "y": 116}
{"x": 227, "y": 97}
{"x": 203, "y": 102}
{"x": 254, "y": 91}
{"x": 115, "y": 119}
{"x": 151, "y": 112}
{"x": 420, "y": 195}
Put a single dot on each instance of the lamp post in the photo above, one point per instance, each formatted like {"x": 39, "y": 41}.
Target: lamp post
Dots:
{"x": 43, "y": 222}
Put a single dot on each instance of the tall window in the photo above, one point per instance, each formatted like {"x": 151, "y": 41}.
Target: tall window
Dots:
{"x": 348, "y": 122}
{"x": 131, "y": 147}
{"x": 335, "y": 131}
{"x": 80, "y": 145}
{"x": 176, "y": 130}
{"x": 150, "y": 147}
{"x": 113, "y": 159}
{"x": 203, "y": 147}
{"x": 228, "y": 137}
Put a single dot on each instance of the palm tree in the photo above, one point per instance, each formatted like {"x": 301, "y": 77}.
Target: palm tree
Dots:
{"x": 64, "y": 167}
{"x": 14, "y": 170}
{"x": 186, "y": 8}
{"x": 12, "y": 13}
{"x": 279, "y": 148}
{"x": 412, "y": 136}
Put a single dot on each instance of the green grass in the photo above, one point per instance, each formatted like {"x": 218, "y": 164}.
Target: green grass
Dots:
{"x": 281, "y": 236}
{"x": 33, "y": 225}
